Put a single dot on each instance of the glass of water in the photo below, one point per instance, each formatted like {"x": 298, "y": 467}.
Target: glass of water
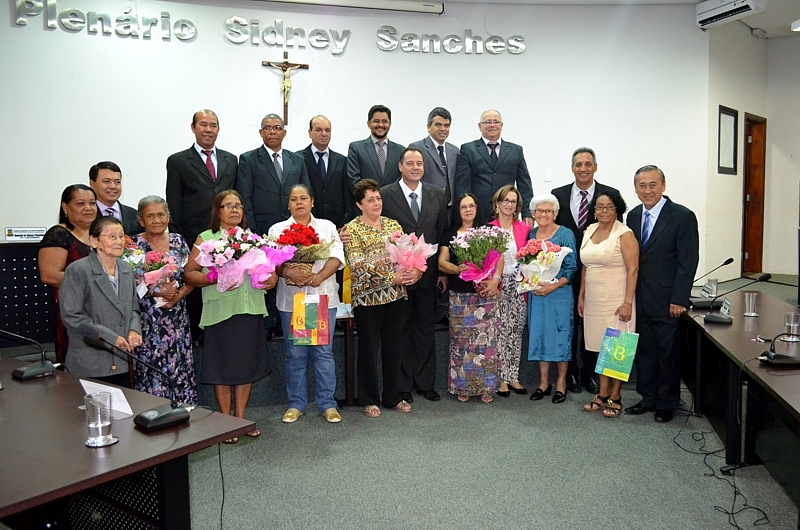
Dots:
{"x": 98, "y": 419}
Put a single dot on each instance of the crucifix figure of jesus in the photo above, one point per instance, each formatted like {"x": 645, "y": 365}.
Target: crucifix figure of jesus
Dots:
{"x": 286, "y": 85}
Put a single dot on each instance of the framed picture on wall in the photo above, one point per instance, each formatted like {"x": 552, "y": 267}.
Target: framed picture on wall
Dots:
{"x": 728, "y": 140}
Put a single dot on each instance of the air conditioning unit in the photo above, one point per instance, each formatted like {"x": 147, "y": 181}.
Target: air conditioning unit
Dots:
{"x": 717, "y": 12}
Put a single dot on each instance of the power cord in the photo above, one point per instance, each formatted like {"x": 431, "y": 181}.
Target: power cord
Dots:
{"x": 222, "y": 479}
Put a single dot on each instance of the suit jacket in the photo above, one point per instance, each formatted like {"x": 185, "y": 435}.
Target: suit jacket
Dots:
{"x": 668, "y": 264}
{"x": 476, "y": 174}
{"x": 191, "y": 190}
{"x": 89, "y": 307}
{"x": 266, "y": 200}
{"x": 333, "y": 199}
{"x": 130, "y": 220}
{"x": 362, "y": 162}
{"x": 434, "y": 172}
{"x": 432, "y": 221}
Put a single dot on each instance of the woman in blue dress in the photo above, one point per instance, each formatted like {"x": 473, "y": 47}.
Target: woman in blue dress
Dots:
{"x": 550, "y": 306}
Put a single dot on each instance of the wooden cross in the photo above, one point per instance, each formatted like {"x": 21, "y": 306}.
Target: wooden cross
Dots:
{"x": 286, "y": 85}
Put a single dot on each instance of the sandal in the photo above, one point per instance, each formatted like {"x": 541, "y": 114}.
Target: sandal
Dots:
{"x": 486, "y": 398}
{"x": 613, "y": 408}
{"x": 403, "y": 406}
{"x": 255, "y": 433}
{"x": 372, "y": 411}
{"x": 230, "y": 440}
{"x": 597, "y": 404}
{"x": 462, "y": 398}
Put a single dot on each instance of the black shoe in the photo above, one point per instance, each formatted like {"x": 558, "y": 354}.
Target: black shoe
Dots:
{"x": 539, "y": 393}
{"x": 663, "y": 416}
{"x": 573, "y": 385}
{"x": 523, "y": 391}
{"x": 430, "y": 395}
{"x": 593, "y": 386}
{"x": 503, "y": 394}
{"x": 407, "y": 397}
{"x": 277, "y": 332}
{"x": 559, "y": 397}
{"x": 639, "y": 408}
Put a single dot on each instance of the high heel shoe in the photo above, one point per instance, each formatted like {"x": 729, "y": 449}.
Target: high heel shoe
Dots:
{"x": 503, "y": 394}
{"x": 516, "y": 390}
{"x": 539, "y": 393}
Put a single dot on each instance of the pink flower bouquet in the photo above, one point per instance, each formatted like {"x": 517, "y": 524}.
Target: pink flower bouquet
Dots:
{"x": 539, "y": 262}
{"x": 407, "y": 251}
{"x": 480, "y": 249}
{"x": 158, "y": 269}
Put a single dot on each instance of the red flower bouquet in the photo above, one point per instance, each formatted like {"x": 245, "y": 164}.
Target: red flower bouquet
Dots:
{"x": 308, "y": 247}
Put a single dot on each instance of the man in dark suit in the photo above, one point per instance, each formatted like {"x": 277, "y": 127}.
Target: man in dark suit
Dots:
{"x": 377, "y": 157}
{"x": 440, "y": 156}
{"x": 668, "y": 256}
{"x": 327, "y": 171}
{"x": 195, "y": 176}
{"x": 574, "y": 213}
{"x": 105, "y": 178}
{"x": 421, "y": 209}
{"x": 489, "y": 163}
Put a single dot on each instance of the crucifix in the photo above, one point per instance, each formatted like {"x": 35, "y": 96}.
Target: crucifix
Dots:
{"x": 286, "y": 85}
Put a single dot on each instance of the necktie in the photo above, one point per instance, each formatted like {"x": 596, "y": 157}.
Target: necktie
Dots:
{"x": 583, "y": 210}
{"x": 278, "y": 168}
{"x": 210, "y": 165}
{"x": 414, "y": 205}
{"x": 493, "y": 147}
{"x": 443, "y": 160}
{"x": 110, "y": 212}
{"x": 321, "y": 165}
{"x": 382, "y": 157}
{"x": 646, "y": 229}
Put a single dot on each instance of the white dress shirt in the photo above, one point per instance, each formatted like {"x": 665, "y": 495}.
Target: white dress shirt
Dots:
{"x": 408, "y": 191}
{"x": 325, "y": 157}
{"x": 575, "y": 199}
{"x": 655, "y": 211}
{"x": 213, "y": 156}
{"x": 496, "y": 149}
{"x": 270, "y": 152}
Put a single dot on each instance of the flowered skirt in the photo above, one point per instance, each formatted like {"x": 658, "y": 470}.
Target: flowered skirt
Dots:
{"x": 474, "y": 331}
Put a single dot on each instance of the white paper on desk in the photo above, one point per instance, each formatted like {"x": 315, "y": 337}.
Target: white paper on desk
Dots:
{"x": 120, "y": 408}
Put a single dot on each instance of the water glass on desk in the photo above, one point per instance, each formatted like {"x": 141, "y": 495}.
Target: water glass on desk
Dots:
{"x": 791, "y": 323}
{"x": 98, "y": 419}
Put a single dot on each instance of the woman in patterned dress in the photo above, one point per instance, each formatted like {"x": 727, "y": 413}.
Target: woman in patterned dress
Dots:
{"x": 64, "y": 243}
{"x": 165, "y": 321}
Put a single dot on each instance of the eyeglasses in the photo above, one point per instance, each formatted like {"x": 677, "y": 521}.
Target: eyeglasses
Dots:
{"x": 232, "y": 207}
{"x": 605, "y": 208}
{"x": 492, "y": 122}
{"x": 267, "y": 128}
{"x": 510, "y": 202}
{"x": 113, "y": 237}
{"x": 544, "y": 212}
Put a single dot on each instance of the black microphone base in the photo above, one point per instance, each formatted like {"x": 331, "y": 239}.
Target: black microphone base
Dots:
{"x": 161, "y": 417}
{"x": 34, "y": 371}
{"x": 776, "y": 359}
{"x": 715, "y": 318}
{"x": 704, "y": 303}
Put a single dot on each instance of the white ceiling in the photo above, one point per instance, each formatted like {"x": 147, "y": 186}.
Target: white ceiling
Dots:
{"x": 775, "y": 20}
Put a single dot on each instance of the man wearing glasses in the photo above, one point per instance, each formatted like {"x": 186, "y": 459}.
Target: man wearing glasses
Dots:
{"x": 574, "y": 213}
{"x": 489, "y": 163}
{"x": 377, "y": 157}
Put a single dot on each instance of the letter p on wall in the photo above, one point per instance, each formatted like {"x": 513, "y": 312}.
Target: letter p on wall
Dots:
{"x": 27, "y": 8}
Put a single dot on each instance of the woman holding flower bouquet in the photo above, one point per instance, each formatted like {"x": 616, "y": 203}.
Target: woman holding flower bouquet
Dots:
{"x": 319, "y": 240}
{"x": 235, "y": 349}
{"x": 165, "y": 321}
{"x": 550, "y": 307}
{"x": 506, "y": 210}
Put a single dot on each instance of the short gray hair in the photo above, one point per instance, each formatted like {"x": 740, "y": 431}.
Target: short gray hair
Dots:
{"x": 645, "y": 169}
{"x": 272, "y": 116}
{"x": 491, "y": 110}
{"x": 545, "y": 198}
{"x": 144, "y": 202}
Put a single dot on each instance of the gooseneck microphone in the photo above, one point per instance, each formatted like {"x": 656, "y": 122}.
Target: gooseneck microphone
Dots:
{"x": 35, "y": 370}
{"x": 772, "y": 358}
{"x": 712, "y": 318}
{"x": 154, "y": 419}
{"x": 726, "y": 262}
{"x": 700, "y": 302}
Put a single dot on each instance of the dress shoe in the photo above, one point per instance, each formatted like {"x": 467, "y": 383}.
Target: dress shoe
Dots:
{"x": 520, "y": 390}
{"x": 430, "y": 395}
{"x": 639, "y": 408}
{"x": 406, "y": 396}
{"x": 332, "y": 415}
{"x": 277, "y": 332}
{"x": 593, "y": 386}
{"x": 663, "y": 416}
{"x": 539, "y": 393}
{"x": 559, "y": 397}
{"x": 573, "y": 385}
{"x": 291, "y": 415}
{"x": 503, "y": 394}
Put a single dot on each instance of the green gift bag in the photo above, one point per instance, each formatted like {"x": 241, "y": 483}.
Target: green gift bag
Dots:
{"x": 616, "y": 355}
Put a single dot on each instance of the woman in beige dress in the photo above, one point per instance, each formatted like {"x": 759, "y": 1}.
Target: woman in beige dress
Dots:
{"x": 610, "y": 256}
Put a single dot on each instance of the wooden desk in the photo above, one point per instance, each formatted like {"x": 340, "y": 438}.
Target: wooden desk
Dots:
{"x": 44, "y": 457}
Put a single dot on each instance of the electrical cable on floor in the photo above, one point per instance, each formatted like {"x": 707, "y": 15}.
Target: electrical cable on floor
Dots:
{"x": 222, "y": 479}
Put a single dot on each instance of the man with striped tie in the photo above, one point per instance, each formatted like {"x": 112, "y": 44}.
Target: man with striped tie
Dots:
{"x": 574, "y": 213}
{"x": 105, "y": 178}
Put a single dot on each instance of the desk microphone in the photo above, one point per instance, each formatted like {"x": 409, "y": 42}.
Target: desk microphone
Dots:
{"x": 778, "y": 359}
{"x": 712, "y": 318}
{"x": 36, "y": 370}
{"x": 160, "y": 417}
{"x": 699, "y": 302}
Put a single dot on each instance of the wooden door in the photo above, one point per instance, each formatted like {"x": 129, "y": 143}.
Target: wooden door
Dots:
{"x": 755, "y": 151}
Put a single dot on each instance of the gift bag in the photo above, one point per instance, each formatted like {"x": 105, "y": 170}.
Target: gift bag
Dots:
{"x": 310, "y": 325}
{"x": 616, "y": 355}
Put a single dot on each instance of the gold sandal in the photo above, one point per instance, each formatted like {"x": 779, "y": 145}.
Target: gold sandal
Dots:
{"x": 597, "y": 404}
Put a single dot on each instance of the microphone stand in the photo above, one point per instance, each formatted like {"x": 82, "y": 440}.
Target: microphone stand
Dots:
{"x": 702, "y": 302}
{"x": 712, "y": 318}
{"x": 773, "y": 358}
{"x": 154, "y": 419}
{"x": 36, "y": 370}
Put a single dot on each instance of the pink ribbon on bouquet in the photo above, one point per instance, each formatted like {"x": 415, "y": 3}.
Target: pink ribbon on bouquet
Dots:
{"x": 275, "y": 258}
{"x": 477, "y": 274}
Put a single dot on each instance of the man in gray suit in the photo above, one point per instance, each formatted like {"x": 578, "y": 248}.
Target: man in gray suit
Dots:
{"x": 439, "y": 155}
{"x": 377, "y": 157}
{"x": 489, "y": 163}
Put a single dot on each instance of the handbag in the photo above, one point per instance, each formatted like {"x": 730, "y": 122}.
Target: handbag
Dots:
{"x": 617, "y": 352}
{"x": 310, "y": 324}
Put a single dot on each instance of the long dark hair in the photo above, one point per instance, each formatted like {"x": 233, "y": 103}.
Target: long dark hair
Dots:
{"x": 66, "y": 198}
{"x": 455, "y": 215}
{"x": 217, "y": 205}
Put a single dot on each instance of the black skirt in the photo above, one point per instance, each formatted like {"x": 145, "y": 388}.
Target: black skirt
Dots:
{"x": 235, "y": 351}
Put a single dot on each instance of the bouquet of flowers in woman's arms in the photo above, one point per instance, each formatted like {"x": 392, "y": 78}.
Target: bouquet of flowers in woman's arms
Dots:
{"x": 307, "y": 246}
{"x": 407, "y": 251}
{"x": 539, "y": 262}
{"x": 480, "y": 250}
{"x": 158, "y": 269}
{"x": 240, "y": 252}
{"x": 133, "y": 255}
